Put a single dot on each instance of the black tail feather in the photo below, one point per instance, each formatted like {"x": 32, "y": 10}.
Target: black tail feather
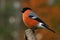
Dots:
{"x": 47, "y": 27}
{"x": 51, "y": 30}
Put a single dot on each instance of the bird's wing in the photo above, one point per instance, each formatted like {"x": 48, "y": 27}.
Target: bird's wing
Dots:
{"x": 34, "y": 16}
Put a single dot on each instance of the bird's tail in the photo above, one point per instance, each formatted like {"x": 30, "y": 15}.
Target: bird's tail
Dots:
{"x": 51, "y": 30}
{"x": 43, "y": 25}
{"x": 46, "y": 26}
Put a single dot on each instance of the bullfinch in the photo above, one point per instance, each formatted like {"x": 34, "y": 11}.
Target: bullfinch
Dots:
{"x": 32, "y": 21}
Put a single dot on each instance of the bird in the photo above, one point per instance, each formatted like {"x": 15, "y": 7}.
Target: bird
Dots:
{"x": 32, "y": 20}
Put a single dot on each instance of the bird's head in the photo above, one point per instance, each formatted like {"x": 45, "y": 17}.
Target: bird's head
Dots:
{"x": 24, "y": 9}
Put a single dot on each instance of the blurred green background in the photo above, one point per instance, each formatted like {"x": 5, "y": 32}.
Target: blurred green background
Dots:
{"x": 9, "y": 19}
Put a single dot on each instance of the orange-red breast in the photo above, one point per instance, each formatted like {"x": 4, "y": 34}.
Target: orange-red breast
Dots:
{"x": 32, "y": 21}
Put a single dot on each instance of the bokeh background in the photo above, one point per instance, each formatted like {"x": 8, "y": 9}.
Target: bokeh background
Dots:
{"x": 12, "y": 26}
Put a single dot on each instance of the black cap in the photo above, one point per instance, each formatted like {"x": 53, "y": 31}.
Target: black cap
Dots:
{"x": 24, "y": 9}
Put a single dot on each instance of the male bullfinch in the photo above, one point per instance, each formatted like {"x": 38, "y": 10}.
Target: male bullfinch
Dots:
{"x": 32, "y": 21}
